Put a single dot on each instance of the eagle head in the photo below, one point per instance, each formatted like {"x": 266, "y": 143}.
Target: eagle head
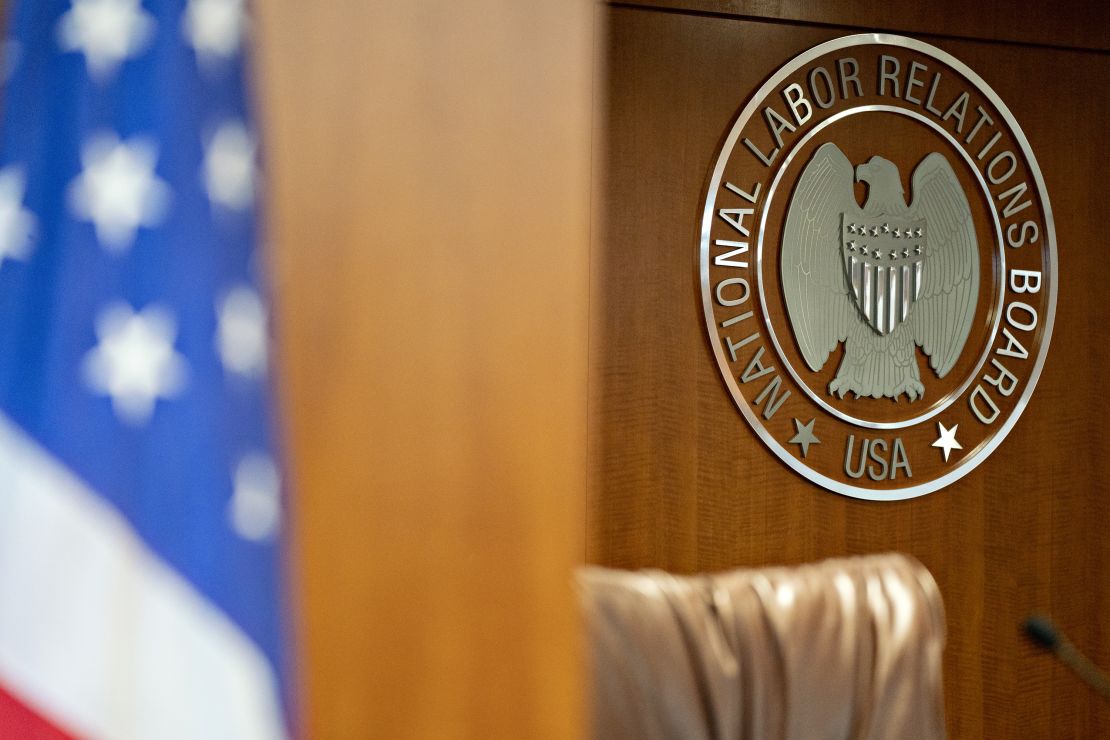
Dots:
{"x": 884, "y": 186}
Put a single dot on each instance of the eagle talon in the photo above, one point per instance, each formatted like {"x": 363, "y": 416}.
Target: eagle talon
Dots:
{"x": 912, "y": 388}
{"x": 842, "y": 386}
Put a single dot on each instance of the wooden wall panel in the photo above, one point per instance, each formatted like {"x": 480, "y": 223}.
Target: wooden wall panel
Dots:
{"x": 1066, "y": 23}
{"x": 678, "y": 480}
{"x": 429, "y": 190}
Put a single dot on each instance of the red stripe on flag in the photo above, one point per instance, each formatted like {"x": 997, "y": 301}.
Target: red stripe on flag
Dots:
{"x": 17, "y": 720}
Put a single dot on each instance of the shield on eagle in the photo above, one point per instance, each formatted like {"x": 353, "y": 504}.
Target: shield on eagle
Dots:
{"x": 881, "y": 277}
{"x": 883, "y": 263}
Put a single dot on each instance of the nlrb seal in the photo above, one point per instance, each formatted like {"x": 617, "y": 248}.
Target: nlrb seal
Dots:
{"x": 878, "y": 266}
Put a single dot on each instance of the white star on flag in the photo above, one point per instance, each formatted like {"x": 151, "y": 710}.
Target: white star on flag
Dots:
{"x": 947, "y": 440}
{"x": 214, "y": 28}
{"x": 17, "y": 224}
{"x": 229, "y": 166}
{"x": 117, "y": 189}
{"x": 134, "y": 361}
{"x": 241, "y": 335}
{"x": 255, "y": 508}
{"x": 106, "y": 31}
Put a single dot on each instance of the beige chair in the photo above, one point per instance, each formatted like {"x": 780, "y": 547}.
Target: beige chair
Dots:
{"x": 842, "y": 649}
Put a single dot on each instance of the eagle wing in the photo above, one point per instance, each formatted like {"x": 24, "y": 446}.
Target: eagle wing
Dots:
{"x": 941, "y": 318}
{"x": 814, "y": 280}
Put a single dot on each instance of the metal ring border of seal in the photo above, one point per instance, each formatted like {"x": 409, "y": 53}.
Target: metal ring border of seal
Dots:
{"x": 982, "y": 451}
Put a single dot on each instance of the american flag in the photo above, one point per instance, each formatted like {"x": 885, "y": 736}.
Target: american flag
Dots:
{"x": 141, "y": 505}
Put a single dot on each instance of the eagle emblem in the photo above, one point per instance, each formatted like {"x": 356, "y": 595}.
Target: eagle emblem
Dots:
{"x": 883, "y": 278}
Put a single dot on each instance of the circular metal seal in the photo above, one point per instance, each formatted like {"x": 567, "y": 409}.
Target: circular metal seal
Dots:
{"x": 878, "y": 266}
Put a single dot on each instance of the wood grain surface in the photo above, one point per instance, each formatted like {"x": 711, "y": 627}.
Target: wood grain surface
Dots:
{"x": 428, "y": 181}
{"x": 677, "y": 478}
{"x": 1078, "y": 24}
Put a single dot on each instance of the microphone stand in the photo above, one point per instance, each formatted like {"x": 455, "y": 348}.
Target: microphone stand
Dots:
{"x": 1044, "y": 633}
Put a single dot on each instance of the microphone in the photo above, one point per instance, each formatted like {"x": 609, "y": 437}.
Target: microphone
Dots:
{"x": 1043, "y": 633}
